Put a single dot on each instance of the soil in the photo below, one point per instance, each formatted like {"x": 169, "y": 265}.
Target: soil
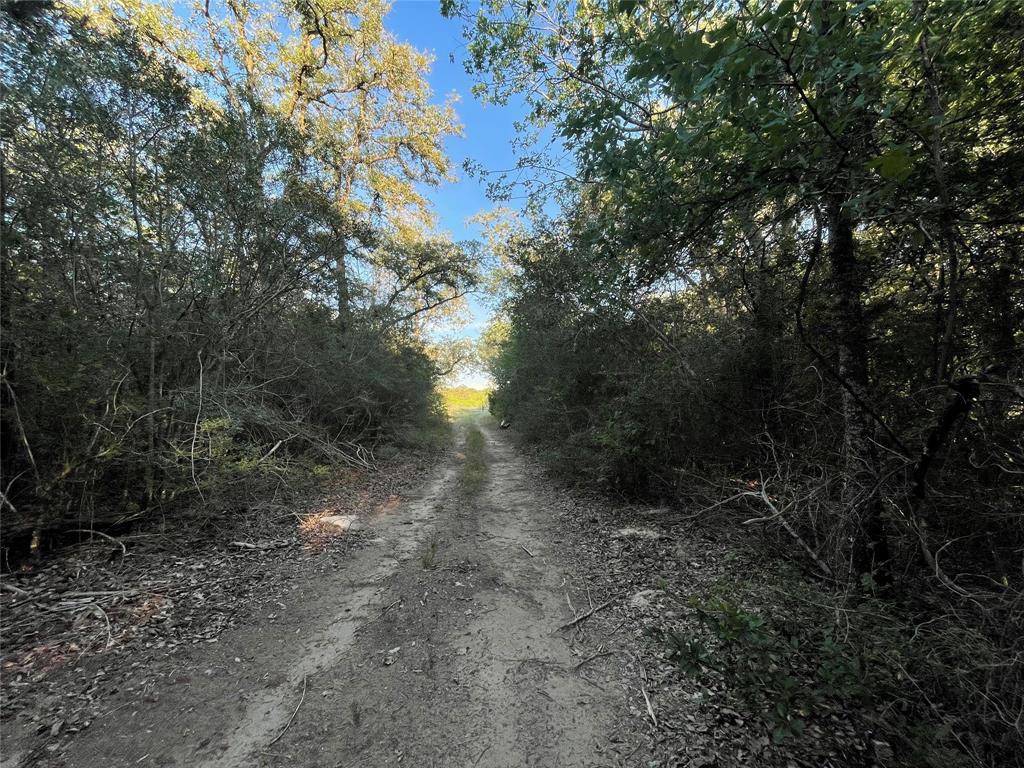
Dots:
{"x": 402, "y": 622}
{"x": 438, "y": 641}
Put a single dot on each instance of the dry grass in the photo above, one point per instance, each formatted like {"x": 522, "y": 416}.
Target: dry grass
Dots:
{"x": 474, "y": 468}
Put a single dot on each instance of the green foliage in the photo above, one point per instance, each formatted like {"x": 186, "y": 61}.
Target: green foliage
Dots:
{"x": 783, "y": 231}
{"x": 811, "y": 656}
{"x": 767, "y": 667}
{"x": 617, "y": 401}
{"x": 176, "y": 327}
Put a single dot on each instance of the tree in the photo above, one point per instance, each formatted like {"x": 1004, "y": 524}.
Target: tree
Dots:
{"x": 357, "y": 98}
{"x": 701, "y": 131}
{"x": 170, "y": 316}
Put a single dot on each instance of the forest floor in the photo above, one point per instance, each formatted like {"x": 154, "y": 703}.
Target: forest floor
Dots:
{"x": 511, "y": 626}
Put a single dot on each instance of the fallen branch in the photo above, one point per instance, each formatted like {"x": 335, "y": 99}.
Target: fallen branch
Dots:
{"x": 4, "y": 586}
{"x": 271, "y": 452}
{"x": 777, "y": 515}
{"x": 286, "y": 725}
{"x": 586, "y": 615}
{"x": 124, "y": 549}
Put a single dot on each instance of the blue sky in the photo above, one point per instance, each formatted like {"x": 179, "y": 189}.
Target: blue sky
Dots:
{"x": 487, "y": 129}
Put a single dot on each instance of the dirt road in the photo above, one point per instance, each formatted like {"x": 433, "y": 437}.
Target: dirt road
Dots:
{"x": 439, "y": 644}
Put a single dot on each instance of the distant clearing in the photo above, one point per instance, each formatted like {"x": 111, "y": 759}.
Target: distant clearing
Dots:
{"x": 458, "y": 399}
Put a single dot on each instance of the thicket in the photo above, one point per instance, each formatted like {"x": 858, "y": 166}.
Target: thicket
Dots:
{"x": 786, "y": 286}
{"x": 217, "y": 269}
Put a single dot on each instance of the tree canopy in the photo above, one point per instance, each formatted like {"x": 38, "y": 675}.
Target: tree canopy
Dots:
{"x": 787, "y": 256}
{"x": 219, "y": 268}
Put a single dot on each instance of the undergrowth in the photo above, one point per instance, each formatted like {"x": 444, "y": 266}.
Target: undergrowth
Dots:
{"x": 804, "y": 657}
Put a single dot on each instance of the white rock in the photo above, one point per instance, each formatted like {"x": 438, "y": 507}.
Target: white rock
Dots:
{"x": 341, "y": 522}
{"x": 645, "y": 598}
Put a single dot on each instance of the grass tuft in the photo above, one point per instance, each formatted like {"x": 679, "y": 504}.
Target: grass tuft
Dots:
{"x": 429, "y": 555}
{"x": 474, "y": 468}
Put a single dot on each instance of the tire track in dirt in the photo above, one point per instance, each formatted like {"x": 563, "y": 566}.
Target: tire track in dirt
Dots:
{"x": 270, "y": 711}
{"x": 435, "y": 645}
{"x": 468, "y": 668}
{"x": 223, "y": 720}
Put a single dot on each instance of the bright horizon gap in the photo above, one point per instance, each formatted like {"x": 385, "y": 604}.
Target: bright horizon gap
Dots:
{"x": 486, "y": 138}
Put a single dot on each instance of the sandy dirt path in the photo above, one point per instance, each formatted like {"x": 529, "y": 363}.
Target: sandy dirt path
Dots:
{"x": 437, "y": 645}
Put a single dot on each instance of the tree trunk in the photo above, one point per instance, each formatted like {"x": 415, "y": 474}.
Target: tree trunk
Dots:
{"x": 1005, "y": 321}
{"x": 151, "y": 306}
{"x": 344, "y": 296}
{"x": 8, "y": 442}
{"x": 946, "y": 219}
{"x": 863, "y": 527}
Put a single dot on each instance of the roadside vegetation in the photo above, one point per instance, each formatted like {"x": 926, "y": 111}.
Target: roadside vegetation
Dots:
{"x": 218, "y": 267}
{"x": 767, "y": 281}
{"x": 784, "y": 293}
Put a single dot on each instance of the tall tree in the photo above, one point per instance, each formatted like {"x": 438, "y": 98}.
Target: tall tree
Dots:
{"x": 170, "y": 243}
{"x": 357, "y": 97}
{"x": 698, "y": 128}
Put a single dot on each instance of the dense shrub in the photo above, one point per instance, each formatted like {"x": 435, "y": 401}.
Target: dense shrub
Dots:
{"x": 785, "y": 280}
{"x": 192, "y": 317}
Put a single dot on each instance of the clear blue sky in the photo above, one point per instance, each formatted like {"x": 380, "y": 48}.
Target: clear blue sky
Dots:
{"x": 487, "y": 129}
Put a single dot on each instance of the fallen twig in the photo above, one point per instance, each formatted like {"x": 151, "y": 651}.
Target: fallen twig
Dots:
{"x": 481, "y": 755}
{"x": 586, "y": 615}
{"x": 595, "y": 656}
{"x": 643, "y": 690}
{"x": 650, "y": 708}
{"x": 124, "y": 549}
{"x": 103, "y": 614}
{"x": 286, "y": 725}
{"x": 387, "y": 608}
{"x": 4, "y": 586}
{"x": 615, "y": 629}
{"x": 527, "y": 551}
{"x": 260, "y": 546}
{"x": 271, "y": 452}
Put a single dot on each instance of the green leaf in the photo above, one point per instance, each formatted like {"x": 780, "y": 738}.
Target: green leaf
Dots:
{"x": 896, "y": 164}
